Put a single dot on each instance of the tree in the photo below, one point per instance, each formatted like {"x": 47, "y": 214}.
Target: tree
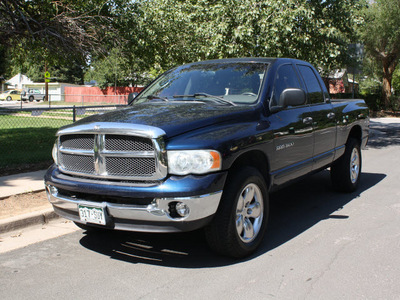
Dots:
{"x": 396, "y": 80}
{"x": 180, "y": 31}
{"x": 125, "y": 61}
{"x": 111, "y": 70}
{"x": 63, "y": 27}
{"x": 64, "y": 34}
{"x": 381, "y": 35}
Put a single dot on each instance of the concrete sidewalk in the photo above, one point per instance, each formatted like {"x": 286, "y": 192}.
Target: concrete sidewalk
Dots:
{"x": 19, "y": 184}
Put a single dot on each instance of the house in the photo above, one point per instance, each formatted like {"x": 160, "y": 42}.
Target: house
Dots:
{"x": 17, "y": 82}
{"x": 339, "y": 82}
{"x": 56, "y": 89}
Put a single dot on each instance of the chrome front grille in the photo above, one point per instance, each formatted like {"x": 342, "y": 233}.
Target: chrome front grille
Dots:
{"x": 77, "y": 163}
{"x": 128, "y": 143}
{"x": 126, "y": 166}
{"x": 104, "y": 153}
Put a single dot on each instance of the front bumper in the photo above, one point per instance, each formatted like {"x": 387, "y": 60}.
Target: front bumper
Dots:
{"x": 200, "y": 194}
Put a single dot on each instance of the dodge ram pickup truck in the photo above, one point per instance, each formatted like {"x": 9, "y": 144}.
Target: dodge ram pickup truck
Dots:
{"x": 202, "y": 147}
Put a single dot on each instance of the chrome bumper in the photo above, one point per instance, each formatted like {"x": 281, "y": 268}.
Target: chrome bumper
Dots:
{"x": 153, "y": 215}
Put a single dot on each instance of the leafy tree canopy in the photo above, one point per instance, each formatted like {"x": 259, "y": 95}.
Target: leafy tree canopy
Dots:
{"x": 180, "y": 31}
{"x": 128, "y": 42}
{"x": 64, "y": 27}
{"x": 63, "y": 33}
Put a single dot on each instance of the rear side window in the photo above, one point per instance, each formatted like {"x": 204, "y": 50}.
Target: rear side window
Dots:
{"x": 315, "y": 94}
{"x": 285, "y": 78}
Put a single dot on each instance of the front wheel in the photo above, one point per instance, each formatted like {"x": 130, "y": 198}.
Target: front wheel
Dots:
{"x": 346, "y": 171}
{"x": 31, "y": 98}
{"x": 240, "y": 222}
{"x": 8, "y": 98}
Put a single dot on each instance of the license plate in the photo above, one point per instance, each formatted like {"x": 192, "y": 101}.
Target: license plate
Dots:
{"x": 91, "y": 214}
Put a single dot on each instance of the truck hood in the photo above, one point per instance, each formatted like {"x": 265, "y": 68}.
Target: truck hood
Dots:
{"x": 174, "y": 118}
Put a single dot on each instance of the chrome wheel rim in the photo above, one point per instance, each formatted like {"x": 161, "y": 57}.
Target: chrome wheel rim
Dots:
{"x": 249, "y": 213}
{"x": 354, "y": 165}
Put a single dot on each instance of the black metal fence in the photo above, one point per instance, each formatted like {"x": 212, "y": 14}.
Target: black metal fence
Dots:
{"x": 27, "y": 135}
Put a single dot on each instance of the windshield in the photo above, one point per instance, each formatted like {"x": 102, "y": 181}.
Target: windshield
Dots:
{"x": 222, "y": 83}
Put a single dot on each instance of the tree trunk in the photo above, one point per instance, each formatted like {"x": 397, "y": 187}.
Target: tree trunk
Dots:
{"x": 387, "y": 89}
{"x": 389, "y": 65}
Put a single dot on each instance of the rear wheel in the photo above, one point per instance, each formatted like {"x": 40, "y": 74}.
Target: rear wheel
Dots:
{"x": 346, "y": 171}
{"x": 8, "y": 98}
{"x": 240, "y": 222}
{"x": 31, "y": 98}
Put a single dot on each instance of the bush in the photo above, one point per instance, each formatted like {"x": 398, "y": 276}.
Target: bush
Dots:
{"x": 395, "y": 103}
{"x": 373, "y": 100}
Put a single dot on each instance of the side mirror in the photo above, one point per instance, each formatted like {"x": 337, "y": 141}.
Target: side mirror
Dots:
{"x": 292, "y": 97}
{"x": 131, "y": 97}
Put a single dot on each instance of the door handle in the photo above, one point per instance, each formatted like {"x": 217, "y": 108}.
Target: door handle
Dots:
{"x": 331, "y": 115}
{"x": 308, "y": 120}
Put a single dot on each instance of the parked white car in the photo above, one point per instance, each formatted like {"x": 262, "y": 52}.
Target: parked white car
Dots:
{"x": 32, "y": 94}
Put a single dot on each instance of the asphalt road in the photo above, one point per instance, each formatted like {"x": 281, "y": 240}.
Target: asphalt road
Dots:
{"x": 17, "y": 104}
{"x": 320, "y": 245}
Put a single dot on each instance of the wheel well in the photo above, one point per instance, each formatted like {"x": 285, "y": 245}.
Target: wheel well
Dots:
{"x": 356, "y": 133}
{"x": 256, "y": 159}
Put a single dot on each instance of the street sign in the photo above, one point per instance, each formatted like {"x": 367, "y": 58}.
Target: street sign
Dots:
{"x": 47, "y": 76}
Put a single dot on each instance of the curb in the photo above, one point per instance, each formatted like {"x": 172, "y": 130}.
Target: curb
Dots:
{"x": 26, "y": 220}
{"x": 26, "y": 192}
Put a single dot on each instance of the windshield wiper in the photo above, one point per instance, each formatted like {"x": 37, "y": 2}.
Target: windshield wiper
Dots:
{"x": 151, "y": 97}
{"x": 215, "y": 98}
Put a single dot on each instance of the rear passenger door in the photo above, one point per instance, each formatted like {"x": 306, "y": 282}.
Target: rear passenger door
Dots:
{"x": 323, "y": 117}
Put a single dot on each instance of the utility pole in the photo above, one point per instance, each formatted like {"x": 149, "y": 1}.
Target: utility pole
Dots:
{"x": 46, "y": 82}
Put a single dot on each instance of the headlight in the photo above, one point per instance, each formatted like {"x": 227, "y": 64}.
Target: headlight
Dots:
{"x": 54, "y": 153}
{"x": 193, "y": 161}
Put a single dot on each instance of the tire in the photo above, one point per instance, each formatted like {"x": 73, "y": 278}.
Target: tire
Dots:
{"x": 31, "y": 98}
{"x": 346, "y": 171}
{"x": 8, "y": 98}
{"x": 238, "y": 227}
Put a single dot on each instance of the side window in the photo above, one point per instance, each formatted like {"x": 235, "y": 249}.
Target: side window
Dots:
{"x": 285, "y": 78}
{"x": 313, "y": 87}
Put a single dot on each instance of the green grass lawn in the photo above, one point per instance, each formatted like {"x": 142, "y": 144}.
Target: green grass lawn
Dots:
{"x": 26, "y": 140}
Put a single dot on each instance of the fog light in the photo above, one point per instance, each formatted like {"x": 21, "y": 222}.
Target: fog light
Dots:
{"x": 53, "y": 190}
{"x": 182, "y": 209}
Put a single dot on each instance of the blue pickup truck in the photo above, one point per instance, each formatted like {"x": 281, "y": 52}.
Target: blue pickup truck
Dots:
{"x": 202, "y": 147}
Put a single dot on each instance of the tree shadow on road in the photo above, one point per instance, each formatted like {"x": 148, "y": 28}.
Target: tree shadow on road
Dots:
{"x": 293, "y": 211}
{"x": 384, "y": 135}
